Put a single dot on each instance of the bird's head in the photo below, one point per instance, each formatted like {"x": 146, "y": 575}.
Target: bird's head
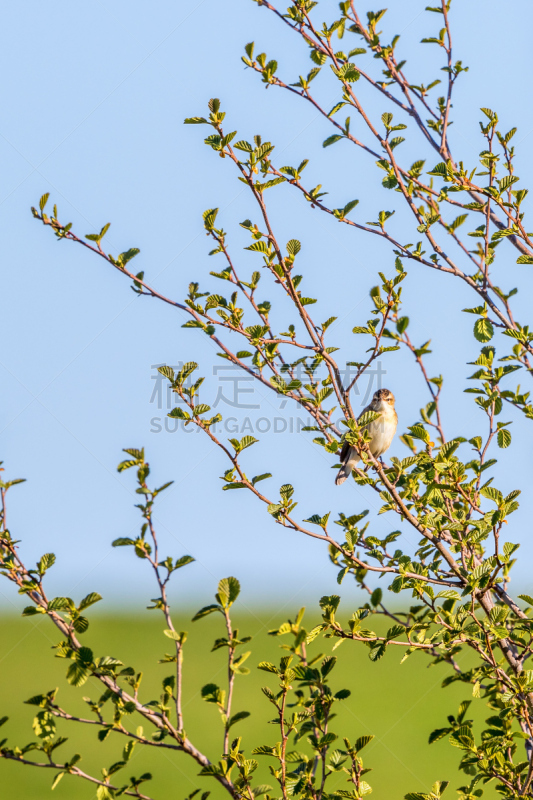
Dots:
{"x": 383, "y": 396}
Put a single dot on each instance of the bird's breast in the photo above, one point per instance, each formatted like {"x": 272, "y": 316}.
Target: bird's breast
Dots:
{"x": 382, "y": 431}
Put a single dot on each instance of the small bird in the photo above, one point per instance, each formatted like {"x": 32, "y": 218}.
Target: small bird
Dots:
{"x": 382, "y": 431}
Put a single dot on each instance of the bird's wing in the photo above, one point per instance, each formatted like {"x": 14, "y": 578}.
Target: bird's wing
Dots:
{"x": 345, "y": 452}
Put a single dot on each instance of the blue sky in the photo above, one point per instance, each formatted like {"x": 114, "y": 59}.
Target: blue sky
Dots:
{"x": 93, "y": 113}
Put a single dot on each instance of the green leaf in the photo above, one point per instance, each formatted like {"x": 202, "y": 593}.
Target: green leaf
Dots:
{"x": 172, "y": 635}
{"x": 237, "y": 718}
{"x": 264, "y": 750}
{"x": 504, "y": 438}
{"x": 127, "y": 256}
{"x": 349, "y": 207}
{"x": 526, "y": 598}
{"x": 327, "y": 665}
{"x": 439, "y": 169}
{"x": 243, "y": 145}
{"x": 237, "y": 664}
{"x": 205, "y": 611}
{"x": 89, "y": 600}
{"x": 77, "y": 674}
{"x": 209, "y": 218}
{"x": 31, "y": 611}
{"x": 363, "y": 741}
{"x": 80, "y": 624}
{"x": 57, "y": 779}
{"x": 124, "y": 465}
{"x": 46, "y": 561}
{"x": 314, "y": 633}
{"x": 367, "y": 417}
{"x": 396, "y": 141}
{"x": 318, "y": 57}
{"x": 247, "y": 441}
{"x": 122, "y": 542}
{"x": 342, "y": 694}
{"x": 483, "y": 330}
{"x": 135, "y": 453}
{"x": 396, "y": 630}
{"x": 492, "y": 494}
{"x": 262, "y": 477}
{"x": 202, "y": 408}
{"x": 266, "y": 666}
{"x": 449, "y": 594}
{"x": 228, "y": 591}
{"x": 60, "y": 604}
{"x": 376, "y": 596}
{"x": 178, "y": 413}
{"x": 457, "y": 222}
{"x": 104, "y": 793}
{"x": 260, "y": 187}
{"x": 331, "y": 140}
{"x": 293, "y": 247}
{"x": 183, "y": 561}
{"x": 258, "y": 247}
{"x": 437, "y": 734}
{"x": 166, "y": 372}
{"x": 419, "y": 432}
{"x": 377, "y": 652}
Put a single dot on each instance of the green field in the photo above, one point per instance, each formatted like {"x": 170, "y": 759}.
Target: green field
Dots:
{"x": 399, "y": 704}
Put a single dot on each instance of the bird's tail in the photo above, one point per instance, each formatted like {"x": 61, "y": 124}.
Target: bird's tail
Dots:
{"x": 346, "y": 470}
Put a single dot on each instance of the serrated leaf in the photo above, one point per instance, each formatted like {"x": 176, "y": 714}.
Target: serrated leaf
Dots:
{"x": 205, "y": 611}
{"x": 247, "y": 441}
{"x": 266, "y": 666}
{"x": 331, "y": 140}
{"x": 258, "y": 247}
{"x": 293, "y": 247}
{"x": 77, "y": 674}
{"x": 166, "y": 372}
{"x": 228, "y": 591}
{"x": 483, "y": 329}
{"x": 243, "y": 145}
{"x": 202, "y": 408}
{"x": 89, "y": 600}
{"x": 60, "y": 604}
{"x": 526, "y": 598}
{"x": 262, "y": 477}
{"x": 504, "y": 438}
{"x": 183, "y": 561}
{"x": 237, "y": 718}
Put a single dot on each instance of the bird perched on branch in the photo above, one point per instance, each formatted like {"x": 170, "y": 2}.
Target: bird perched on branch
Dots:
{"x": 382, "y": 431}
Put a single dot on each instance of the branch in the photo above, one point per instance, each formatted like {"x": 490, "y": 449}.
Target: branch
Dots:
{"x": 75, "y": 771}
